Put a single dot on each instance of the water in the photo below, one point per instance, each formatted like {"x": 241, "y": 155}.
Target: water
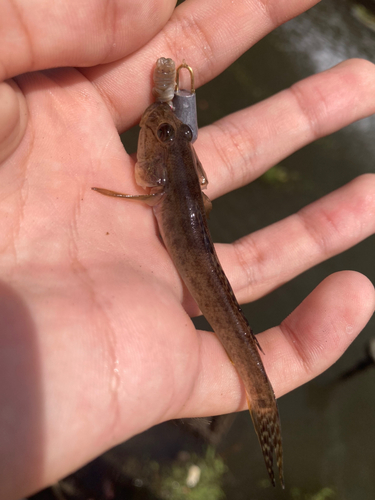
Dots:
{"x": 328, "y": 427}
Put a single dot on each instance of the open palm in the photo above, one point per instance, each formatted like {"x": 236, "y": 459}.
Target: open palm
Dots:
{"x": 96, "y": 343}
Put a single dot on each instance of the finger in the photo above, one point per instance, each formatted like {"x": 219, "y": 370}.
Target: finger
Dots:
{"x": 209, "y": 35}
{"x": 264, "y": 260}
{"x": 320, "y": 330}
{"x": 37, "y": 35}
{"x": 243, "y": 145}
{"x": 310, "y": 340}
{"x": 13, "y": 118}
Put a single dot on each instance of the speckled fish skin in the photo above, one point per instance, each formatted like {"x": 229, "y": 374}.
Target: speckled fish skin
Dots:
{"x": 172, "y": 168}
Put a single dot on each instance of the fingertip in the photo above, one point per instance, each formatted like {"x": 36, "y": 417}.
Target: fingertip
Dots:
{"x": 362, "y": 68}
{"x": 331, "y": 317}
{"x": 358, "y": 82}
{"x": 319, "y": 330}
{"x": 13, "y": 118}
{"x": 358, "y": 299}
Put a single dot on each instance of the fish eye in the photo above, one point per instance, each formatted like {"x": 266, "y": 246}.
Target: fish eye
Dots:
{"x": 188, "y": 133}
{"x": 165, "y": 132}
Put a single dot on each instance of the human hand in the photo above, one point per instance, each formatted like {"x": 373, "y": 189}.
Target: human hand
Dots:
{"x": 96, "y": 343}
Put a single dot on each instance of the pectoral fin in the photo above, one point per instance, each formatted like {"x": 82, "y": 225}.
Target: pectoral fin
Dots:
{"x": 200, "y": 170}
{"x": 151, "y": 199}
{"x": 207, "y": 204}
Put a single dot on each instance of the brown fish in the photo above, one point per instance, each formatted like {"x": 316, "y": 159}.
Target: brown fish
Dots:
{"x": 167, "y": 163}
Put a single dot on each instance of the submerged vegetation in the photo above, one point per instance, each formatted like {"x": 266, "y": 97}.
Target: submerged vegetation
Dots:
{"x": 323, "y": 494}
{"x": 279, "y": 175}
{"x": 191, "y": 477}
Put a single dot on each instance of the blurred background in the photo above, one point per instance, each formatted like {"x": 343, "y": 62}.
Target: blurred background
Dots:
{"x": 328, "y": 424}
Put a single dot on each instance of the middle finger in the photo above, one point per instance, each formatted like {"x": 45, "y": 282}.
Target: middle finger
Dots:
{"x": 209, "y": 34}
{"x": 242, "y": 146}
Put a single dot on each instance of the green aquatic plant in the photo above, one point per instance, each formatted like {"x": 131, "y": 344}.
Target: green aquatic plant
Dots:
{"x": 282, "y": 177}
{"x": 276, "y": 175}
{"x": 194, "y": 478}
{"x": 323, "y": 494}
{"x": 364, "y": 16}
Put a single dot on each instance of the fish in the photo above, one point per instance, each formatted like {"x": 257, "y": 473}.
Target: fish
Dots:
{"x": 168, "y": 166}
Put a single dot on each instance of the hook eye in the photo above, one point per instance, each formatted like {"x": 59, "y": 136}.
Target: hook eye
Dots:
{"x": 184, "y": 65}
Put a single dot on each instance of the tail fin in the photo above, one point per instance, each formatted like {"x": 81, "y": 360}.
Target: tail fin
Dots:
{"x": 266, "y": 421}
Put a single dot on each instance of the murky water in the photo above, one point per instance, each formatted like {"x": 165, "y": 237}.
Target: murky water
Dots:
{"x": 328, "y": 427}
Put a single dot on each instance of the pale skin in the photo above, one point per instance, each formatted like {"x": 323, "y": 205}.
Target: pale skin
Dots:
{"x": 96, "y": 343}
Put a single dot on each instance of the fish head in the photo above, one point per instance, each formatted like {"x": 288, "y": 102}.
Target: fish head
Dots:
{"x": 160, "y": 122}
{"x": 161, "y": 130}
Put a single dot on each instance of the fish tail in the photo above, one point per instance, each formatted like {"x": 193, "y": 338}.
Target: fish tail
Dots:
{"x": 266, "y": 421}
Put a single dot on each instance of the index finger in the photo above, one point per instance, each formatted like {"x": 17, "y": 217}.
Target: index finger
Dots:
{"x": 209, "y": 35}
